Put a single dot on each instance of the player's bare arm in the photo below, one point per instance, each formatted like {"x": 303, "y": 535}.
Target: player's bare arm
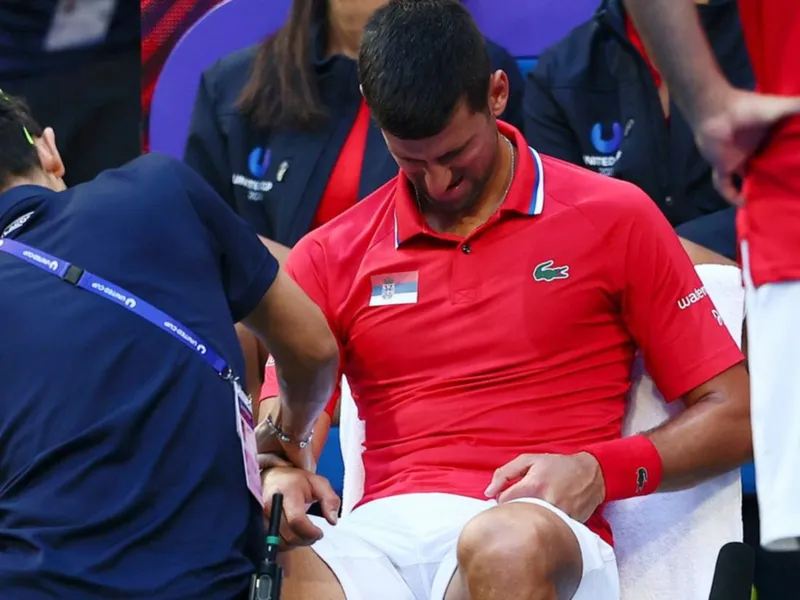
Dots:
{"x": 676, "y": 43}
{"x": 701, "y": 255}
{"x": 306, "y": 355}
{"x": 279, "y": 251}
{"x": 712, "y": 436}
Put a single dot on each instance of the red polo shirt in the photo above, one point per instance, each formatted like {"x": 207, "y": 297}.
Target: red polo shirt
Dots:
{"x": 770, "y": 220}
{"x": 463, "y": 353}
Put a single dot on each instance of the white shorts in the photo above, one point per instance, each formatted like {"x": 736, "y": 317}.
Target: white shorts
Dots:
{"x": 773, "y": 353}
{"x": 404, "y": 548}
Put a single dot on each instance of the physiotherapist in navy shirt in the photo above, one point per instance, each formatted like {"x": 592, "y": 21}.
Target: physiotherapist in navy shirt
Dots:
{"x": 121, "y": 470}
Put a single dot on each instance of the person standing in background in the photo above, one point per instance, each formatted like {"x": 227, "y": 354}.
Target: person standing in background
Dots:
{"x": 754, "y": 136}
{"x": 77, "y": 64}
{"x": 596, "y": 99}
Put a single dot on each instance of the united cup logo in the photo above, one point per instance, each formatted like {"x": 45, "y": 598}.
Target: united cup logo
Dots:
{"x": 387, "y": 290}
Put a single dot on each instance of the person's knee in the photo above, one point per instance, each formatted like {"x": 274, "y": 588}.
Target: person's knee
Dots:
{"x": 308, "y": 577}
{"x": 521, "y": 540}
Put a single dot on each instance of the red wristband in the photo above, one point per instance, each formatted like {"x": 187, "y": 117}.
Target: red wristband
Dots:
{"x": 270, "y": 387}
{"x": 631, "y": 466}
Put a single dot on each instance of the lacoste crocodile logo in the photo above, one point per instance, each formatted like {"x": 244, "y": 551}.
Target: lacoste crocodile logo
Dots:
{"x": 641, "y": 479}
{"x": 546, "y": 272}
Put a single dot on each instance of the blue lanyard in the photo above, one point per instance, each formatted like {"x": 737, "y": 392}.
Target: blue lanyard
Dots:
{"x": 105, "y": 289}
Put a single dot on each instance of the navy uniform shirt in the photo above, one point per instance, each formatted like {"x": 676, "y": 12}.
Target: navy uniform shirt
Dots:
{"x": 276, "y": 179}
{"x": 121, "y": 471}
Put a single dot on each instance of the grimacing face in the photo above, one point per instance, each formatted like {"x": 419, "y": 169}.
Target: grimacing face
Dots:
{"x": 451, "y": 168}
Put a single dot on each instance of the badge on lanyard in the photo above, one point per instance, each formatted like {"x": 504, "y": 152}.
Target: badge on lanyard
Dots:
{"x": 245, "y": 428}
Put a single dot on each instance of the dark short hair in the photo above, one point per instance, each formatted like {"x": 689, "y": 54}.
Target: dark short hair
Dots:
{"x": 18, "y": 156}
{"x": 418, "y": 60}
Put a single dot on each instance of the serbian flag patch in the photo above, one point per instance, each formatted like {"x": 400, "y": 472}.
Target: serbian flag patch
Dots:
{"x": 394, "y": 288}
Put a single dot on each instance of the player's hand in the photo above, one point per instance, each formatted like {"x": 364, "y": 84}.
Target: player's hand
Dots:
{"x": 573, "y": 483}
{"x": 300, "y": 490}
{"x": 734, "y": 133}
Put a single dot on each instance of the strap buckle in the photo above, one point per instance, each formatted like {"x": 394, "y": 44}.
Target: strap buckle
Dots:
{"x": 73, "y": 275}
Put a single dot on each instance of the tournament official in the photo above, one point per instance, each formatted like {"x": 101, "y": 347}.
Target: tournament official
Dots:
{"x": 128, "y": 465}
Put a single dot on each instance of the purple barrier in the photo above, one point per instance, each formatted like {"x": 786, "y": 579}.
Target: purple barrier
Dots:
{"x": 231, "y": 26}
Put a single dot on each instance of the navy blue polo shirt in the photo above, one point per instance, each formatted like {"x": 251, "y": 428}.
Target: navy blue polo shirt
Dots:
{"x": 121, "y": 471}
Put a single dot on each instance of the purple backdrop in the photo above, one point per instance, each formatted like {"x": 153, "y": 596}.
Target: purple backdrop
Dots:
{"x": 523, "y": 27}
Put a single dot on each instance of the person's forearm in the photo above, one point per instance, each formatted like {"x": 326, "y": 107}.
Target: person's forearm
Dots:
{"x": 295, "y": 332}
{"x": 304, "y": 391}
{"x": 678, "y": 46}
{"x": 708, "y": 439}
{"x": 279, "y": 251}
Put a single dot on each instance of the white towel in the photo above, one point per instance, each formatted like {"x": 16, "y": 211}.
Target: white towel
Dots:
{"x": 351, "y": 438}
{"x": 666, "y": 544}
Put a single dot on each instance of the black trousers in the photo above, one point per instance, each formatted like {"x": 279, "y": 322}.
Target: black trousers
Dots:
{"x": 777, "y": 573}
{"x": 94, "y": 108}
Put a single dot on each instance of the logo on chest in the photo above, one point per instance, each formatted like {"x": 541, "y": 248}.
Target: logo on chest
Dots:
{"x": 547, "y": 272}
{"x": 607, "y": 143}
{"x": 394, "y": 288}
{"x": 258, "y": 162}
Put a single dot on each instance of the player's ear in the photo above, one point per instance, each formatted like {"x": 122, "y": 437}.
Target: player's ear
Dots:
{"x": 49, "y": 156}
{"x": 499, "y": 89}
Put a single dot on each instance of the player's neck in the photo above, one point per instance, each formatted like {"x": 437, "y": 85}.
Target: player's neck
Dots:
{"x": 40, "y": 179}
{"x": 492, "y": 196}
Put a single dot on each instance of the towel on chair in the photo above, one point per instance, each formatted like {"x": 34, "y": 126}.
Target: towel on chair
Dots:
{"x": 666, "y": 544}
{"x": 351, "y": 438}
